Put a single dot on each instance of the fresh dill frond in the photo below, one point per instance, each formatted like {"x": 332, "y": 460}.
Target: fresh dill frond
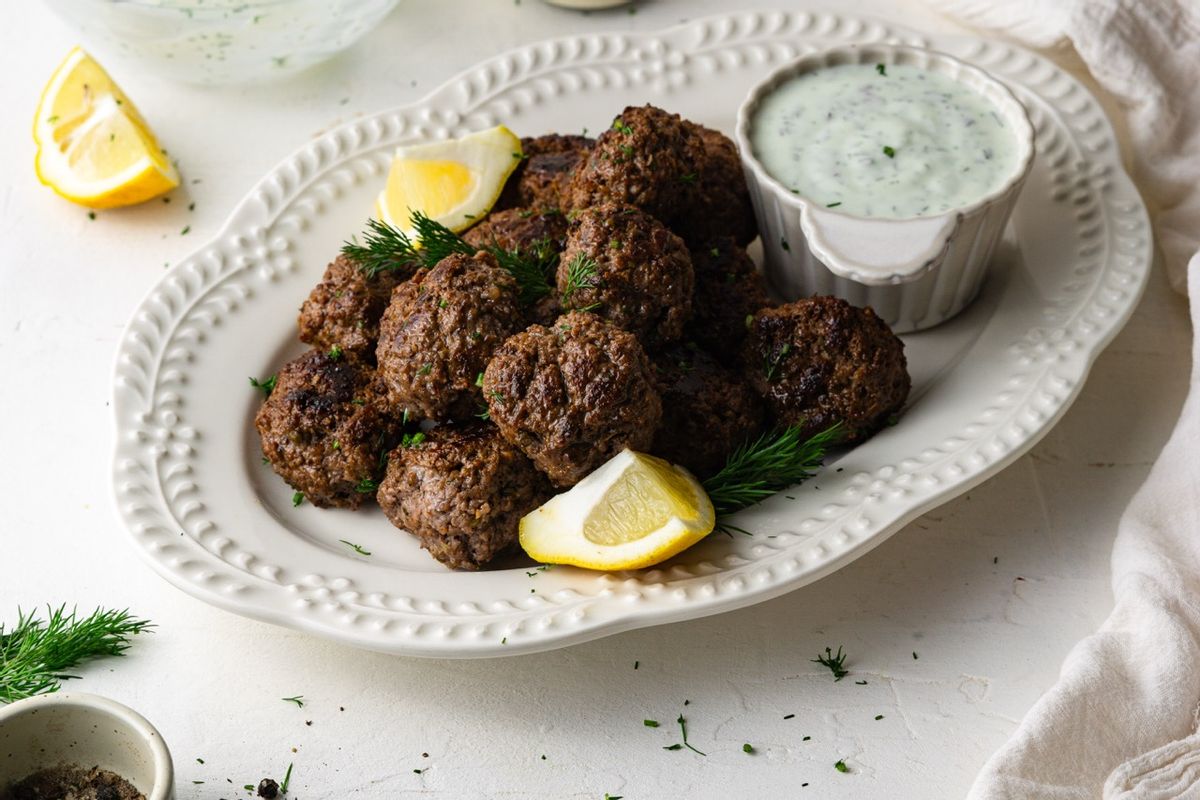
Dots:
{"x": 836, "y": 662}
{"x": 358, "y": 548}
{"x": 298, "y": 700}
{"x": 366, "y": 486}
{"x": 265, "y": 386}
{"x": 581, "y": 274}
{"x": 776, "y": 460}
{"x": 35, "y": 653}
{"x": 386, "y": 247}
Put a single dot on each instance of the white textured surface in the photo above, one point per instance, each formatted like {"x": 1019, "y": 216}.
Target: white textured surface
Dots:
{"x": 990, "y": 636}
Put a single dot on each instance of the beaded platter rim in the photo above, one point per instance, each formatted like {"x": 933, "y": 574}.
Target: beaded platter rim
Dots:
{"x": 182, "y": 530}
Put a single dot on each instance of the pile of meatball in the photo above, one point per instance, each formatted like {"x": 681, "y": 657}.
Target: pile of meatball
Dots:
{"x": 458, "y": 405}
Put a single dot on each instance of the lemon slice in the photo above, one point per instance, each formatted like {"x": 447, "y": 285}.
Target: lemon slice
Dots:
{"x": 455, "y": 182}
{"x": 634, "y": 511}
{"x": 93, "y": 147}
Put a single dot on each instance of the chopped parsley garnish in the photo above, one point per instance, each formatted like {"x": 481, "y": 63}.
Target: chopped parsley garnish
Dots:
{"x": 840, "y": 766}
{"x": 581, "y": 274}
{"x": 266, "y": 386}
{"x": 881, "y": 69}
{"x": 335, "y": 352}
{"x": 412, "y": 439}
{"x": 358, "y": 548}
{"x": 650, "y": 723}
{"x": 889, "y": 151}
{"x": 297, "y": 499}
{"x": 878, "y": 717}
{"x": 836, "y": 662}
{"x": 747, "y": 748}
{"x": 185, "y": 230}
{"x": 366, "y": 486}
{"x": 298, "y": 700}
{"x": 621, "y": 126}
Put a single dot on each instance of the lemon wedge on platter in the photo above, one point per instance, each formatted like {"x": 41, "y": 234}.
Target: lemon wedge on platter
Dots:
{"x": 93, "y": 147}
{"x": 453, "y": 182}
{"x": 634, "y": 511}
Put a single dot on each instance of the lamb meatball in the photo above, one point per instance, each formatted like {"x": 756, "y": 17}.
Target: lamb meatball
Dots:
{"x": 819, "y": 361}
{"x": 718, "y": 203}
{"x": 708, "y": 410}
{"x": 643, "y": 161}
{"x": 540, "y": 181}
{"x": 439, "y": 331}
{"x": 462, "y": 491}
{"x": 728, "y": 289}
{"x": 640, "y": 277}
{"x": 520, "y": 229}
{"x": 343, "y": 310}
{"x": 573, "y": 395}
{"x": 324, "y": 429}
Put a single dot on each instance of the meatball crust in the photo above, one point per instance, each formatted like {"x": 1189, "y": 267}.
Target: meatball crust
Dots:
{"x": 718, "y": 203}
{"x": 728, "y": 290}
{"x": 324, "y": 429}
{"x": 540, "y": 181}
{"x": 439, "y": 331}
{"x": 643, "y": 160}
{"x": 343, "y": 310}
{"x": 462, "y": 491}
{"x": 642, "y": 280}
{"x": 708, "y": 410}
{"x": 819, "y": 361}
{"x": 573, "y": 395}
{"x": 520, "y": 229}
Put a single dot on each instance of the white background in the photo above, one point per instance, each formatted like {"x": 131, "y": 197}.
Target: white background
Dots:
{"x": 991, "y": 590}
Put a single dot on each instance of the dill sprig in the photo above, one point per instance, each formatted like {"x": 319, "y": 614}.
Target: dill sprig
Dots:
{"x": 776, "y": 460}
{"x": 386, "y": 248}
{"x": 581, "y": 274}
{"x": 35, "y": 653}
{"x": 836, "y": 662}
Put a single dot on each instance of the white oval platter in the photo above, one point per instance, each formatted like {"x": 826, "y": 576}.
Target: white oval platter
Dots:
{"x": 211, "y": 519}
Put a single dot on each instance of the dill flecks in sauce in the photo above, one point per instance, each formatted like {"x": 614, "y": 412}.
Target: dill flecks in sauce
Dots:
{"x": 905, "y": 143}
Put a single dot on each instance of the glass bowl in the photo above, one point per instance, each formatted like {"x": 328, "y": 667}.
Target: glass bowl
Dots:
{"x": 222, "y": 41}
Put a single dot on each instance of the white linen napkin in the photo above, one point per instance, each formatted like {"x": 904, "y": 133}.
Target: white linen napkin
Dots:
{"x": 1122, "y": 720}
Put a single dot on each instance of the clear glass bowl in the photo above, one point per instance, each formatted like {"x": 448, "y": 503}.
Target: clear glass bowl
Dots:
{"x": 222, "y": 41}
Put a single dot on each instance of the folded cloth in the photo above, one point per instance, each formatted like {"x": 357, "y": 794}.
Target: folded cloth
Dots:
{"x": 1121, "y": 722}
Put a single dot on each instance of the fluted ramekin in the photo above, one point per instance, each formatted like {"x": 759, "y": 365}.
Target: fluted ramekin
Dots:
{"x": 915, "y": 272}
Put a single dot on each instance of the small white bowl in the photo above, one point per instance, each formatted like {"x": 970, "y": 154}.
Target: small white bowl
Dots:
{"x": 915, "y": 272}
{"x": 86, "y": 730}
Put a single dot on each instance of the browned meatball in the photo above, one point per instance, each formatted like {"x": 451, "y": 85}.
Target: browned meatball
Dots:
{"x": 643, "y": 160}
{"x": 718, "y": 203}
{"x": 520, "y": 229}
{"x": 324, "y": 429}
{"x": 573, "y": 395}
{"x": 462, "y": 491}
{"x": 708, "y": 410}
{"x": 541, "y": 179}
{"x": 439, "y": 332}
{"x": 820, "y": 361}
{"x": 343, "y": 310}
{"x": 627, "y": 267}
{"x": 728, "y": 289}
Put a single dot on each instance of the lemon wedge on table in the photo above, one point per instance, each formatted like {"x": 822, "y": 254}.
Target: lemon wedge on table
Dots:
{"x": 93, "y": 147}
{"x": 454, "y": 182}
{"x": 634, "y": 511}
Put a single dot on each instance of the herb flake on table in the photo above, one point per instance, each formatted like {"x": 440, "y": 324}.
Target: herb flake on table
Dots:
{"x": 287, "y": 779}
{"x": 358, "y": 548}
{"x": 836, "y": 662}
{"x": 840, "y": 766}
{"x": 650, "y": 723}
{"x": 35, "y": 653}
{"x": 298, "y": 700}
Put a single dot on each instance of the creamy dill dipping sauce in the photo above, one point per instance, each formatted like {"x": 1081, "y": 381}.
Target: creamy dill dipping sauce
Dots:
{"x": 876, "y": 140}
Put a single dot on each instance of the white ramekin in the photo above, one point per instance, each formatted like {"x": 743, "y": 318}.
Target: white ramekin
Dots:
{"x": 915, "y": 273}
{"x": 89, "y": 731}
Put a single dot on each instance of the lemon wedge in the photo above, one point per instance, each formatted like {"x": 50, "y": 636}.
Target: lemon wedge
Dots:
{"x": 634, "y": 511}
{"x": 454, "y": 182}
{"x": 93, "y": 147}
